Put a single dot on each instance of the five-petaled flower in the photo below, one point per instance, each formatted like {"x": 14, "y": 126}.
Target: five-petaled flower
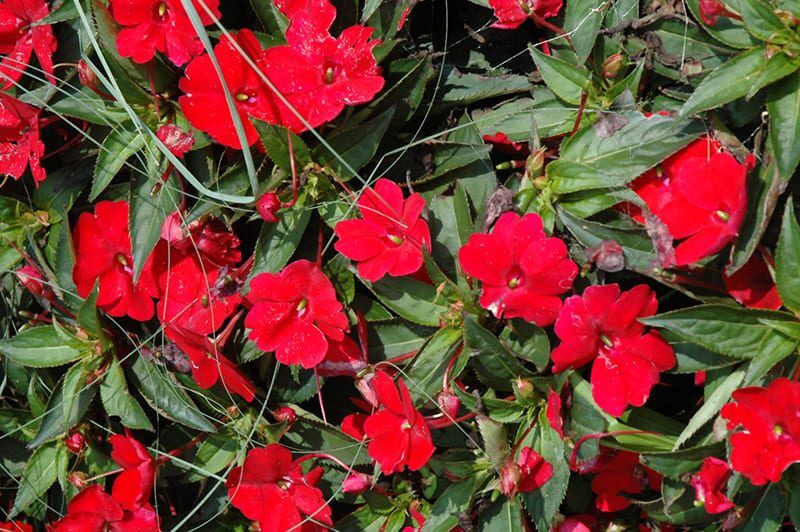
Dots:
{"x": 700, "y": 194}
{"x": 271, "y": 489}
{"x": 529, "y": 472}
{"x": 710, "y": 484}
{"x": 21, "y": 36}
{"x": 160, "y": 25}
{"x": 399, "y": 435}
{"x": 20, "y": 145}
{"x": 295, "y": 313}
{"x": 512, "y": 13}
{"x": 93, "y": 510}
{"x": 103, "y": 254}
{"x": 523, "y": 271}
{"x": 601, "y": 325}
{"x": 769, "y": 440}
{"x": 390, "y": 235}
{"x": 619, "y": 473}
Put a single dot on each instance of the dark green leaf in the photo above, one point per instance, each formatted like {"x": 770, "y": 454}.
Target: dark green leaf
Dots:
{"x": 711, "y": 407}
{"x": 787, "y": 260}
{"x": 768, "y": 515}
{"x": 276, "y": 142}
{"x": 495, "y": 365}
{"x": 277, "y": 242}
{"x": 783, "y": 104}
{"x": 118, "y": 401}
{"x": 448, "y": 508}
{"x": 527, "y": 341}
{"x": 116, "y": 149}
{"x": 565, "y": 80}
{"x": 425, "y": 374}
{"x": 504, "y": 515}
{"x": 412, "y": 300}
{"x": 675, "y": 464}
{"x": 40, "y": 347}
{"x": 67, "y": 405}
{"x": 40, "y": 473}
{"x": 354, "y": 147}
{"x": 543, "y": 504}
{"x": 150, "y": 204}
{"x": 582, "y": 22}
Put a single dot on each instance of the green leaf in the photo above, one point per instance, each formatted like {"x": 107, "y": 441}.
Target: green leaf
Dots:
{"x": 450, "y": 222}
{"x": 276, "y": 142}
{"x": 731, "y": 331}
{"x": 214, "y": 454}
{"x": 587, "y": 418}
{"x": 675, "y": 464}
{"x": 277, "y": 242}
{"x": 116, "y": 149}
{"x": 711, "y": 407}
{"x": 410, "y": 299}
{"x": 504, "y": 515}
{"x": 495, "y": 365}
{"x": 40, "y": 473}
{"x": 89, "y": 318}
{"x": 527, "y": 341}
{"x": 543, "y": 504}
{"x": 593, "y": 159}
{"x": 464, "y": 88}
{"x": 582, "y": 21}
{"x": 727, "y": 30}
{"x": 787, "y": 260}
{"x": 768, "y": 515}
{"x": 451, "y": 504}
{"x": 40, "y": 347}
{"x": 567, "y": 81}
{"x": 118, "y": 401}
{"x": 425, "y": 374}
{"x": 759, "y": 19}
{"x": 741, "y": 76}
{"x": 167, "y": 397}
{"x": 311, "y": 434}
{"x": 66, "y": 407}
{"x": 517, "y": 117}
{"x": 150, "y": 204}
{"x": 783, "y": 104}
{"x": 355, "y": 146}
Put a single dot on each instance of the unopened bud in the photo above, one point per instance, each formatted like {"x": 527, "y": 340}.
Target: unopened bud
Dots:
{"x": 268, "y": 206}
{"x": 77, "y": 479}
{"x": 448, "y": 403}
{"x": 75, "y": 442}
{"x": 86, "y": 75}
{"x": 509, "y": 478}
{"x": 525, "y": 388}
{"x": 356, "y": 483}
{"x": 364, "y": 386}
{"x": 611, "y": 66}
{"x": 534, "y": 166}
{"x": 285, "y": 414}
{"x": 31, "y": 279}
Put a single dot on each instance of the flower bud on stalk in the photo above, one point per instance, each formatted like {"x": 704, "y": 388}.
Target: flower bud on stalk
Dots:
{"x": 612, "y": 66}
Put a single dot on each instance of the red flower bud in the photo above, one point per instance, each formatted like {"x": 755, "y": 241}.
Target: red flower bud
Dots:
{"x": 31, "y": 279}
{"x": 86, "y": 75}
{"x": 268, "y": 206}
{"x": 710, "y": 10}
{"x": 448, "y": 403}
{"x": 285, "y": 414}
{"x": 611, "y": 66}
{"x": 77, "y": 479}
{"x": 75, "y": 442}
{"x": 176, "y": 140}
{"x": 356, "y": 483}
{"x": 509, "y": 478}
{"x": 365, "y": 388}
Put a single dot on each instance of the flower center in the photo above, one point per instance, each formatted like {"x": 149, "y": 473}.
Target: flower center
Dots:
{"x": 777, "y": 430}
{"x": 515, "y": 278}
{"x": 406, "y": 426}
{"x": 122, "y": 259}
{"x": 204, "y": 301}
{"x": 606, "y": 340}
{"x": 525, "y": 6}
{"x": 162, "y": 9}
{"x": 302, "y": 307}
{"x": 330, "y": 75}
{"x": 242, "y": 97}
{"x": 724, "y": 216}
{"x": 395, "y": 239}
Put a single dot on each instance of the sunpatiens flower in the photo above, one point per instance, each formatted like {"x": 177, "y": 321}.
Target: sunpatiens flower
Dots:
{"x": 93, "y": 510}
{"x": 160, "y": 25}
{"x": 208, "y": 365}
{"x": 511, "y": 13}
{"x": 318, "y": 74}
{"x": 619, "y": 473}
{"x": 528, "y": 473}
{"x": 769, "y": 441}
{"x": 522, "y": 270}
{"x": 710, "y": 484}
{"x": 389, "y": 236}
{"x": 399, "y": 434}
{"x": 602, "y": 326}
{"x": 700, "y": 194}
{"x": 103, "y": 253}
{"x": 752, "y": 284}
{"x": 133, "y": 486}
{"x": 272, "y": 489}
{"x": 295, "y": 312}
{"x": 20, "y": 145}
{"x": 204, "y": 102}
{"x": 21, "y": 36}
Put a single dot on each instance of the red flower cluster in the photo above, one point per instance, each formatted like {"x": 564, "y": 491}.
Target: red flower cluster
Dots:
{"x": 769, "y": 441}
{"x": 21, "y": 36}
{"x": 20, "y": 145}
{"x": 602, "y": 326}
{"x": 271, "y": 489}
{"x": 317, "y": 74}
{"x": 389, "y": 236}
{"x": 512, "y": 13}
{"x": 700, "y": 194}
{"x": 160, "y": 25}
{"x": 127, "y": 508}
{"x": 295, "y": 313}
{"x": 522, "y": 270}
{"x": 710, "y": 484}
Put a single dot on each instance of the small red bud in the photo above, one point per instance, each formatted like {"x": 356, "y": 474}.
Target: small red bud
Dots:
{"x": 175, "y": 139}
{"x": 356, "y": 483}
{"x": 268, "y": 206}
{"x": 77, "y": 479}
{"x": 285, "y": 414}
{"x": 86, "y": 75}
{"x": 509, "y": 478}
{"x": 75, "y": 442}
{"x": 31, "y": 279}
{"x": 448, "y": 403}
{"x": 365, "y": 388}
{"x": 710, "y": 11}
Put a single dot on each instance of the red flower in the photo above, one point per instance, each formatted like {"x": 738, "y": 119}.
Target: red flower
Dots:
{"x": 528, "y": 473}
{"x": 20, "y": 145}
{"x": 700, "y": 194}
{"x": 511, "y": 13}
{"x": 399, "y": 434}
{"x": 208, "y": 240}
{"x": 752, "y": 284}
{"x": 208, "y": 365}
{"x": 295, "y": 312}
{"x": 522, "y": 270}
{"x": 389, "y": 236}
{"x": 343, "y": 358}
{"x": 769, "y": 441}
{"x": 93, "y": 510}
{"x": 268, "y": 206}
{"x": 204, "y": 102}
{"x": 133, "y": 486}
{"x": 618, "y": 473}
{"x": 177, "y": 140}
{"x": 20, "y": 36}
{"x": 318, "y": 74}
{"x": 710, "y": 483}
{"x": 15, "y": 526}
{"x": 103, "y": 253}
{"x": 271, "y": 489}
{"x": 353, "y": 425}
{"x": 602, "y": 325}
{"x": 711, "y": 10}
{"x": 159, "y": 25}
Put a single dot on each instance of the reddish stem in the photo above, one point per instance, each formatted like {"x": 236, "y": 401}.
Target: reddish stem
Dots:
{"x": 539, "y": 21}
{"x": 581, "y": 108}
